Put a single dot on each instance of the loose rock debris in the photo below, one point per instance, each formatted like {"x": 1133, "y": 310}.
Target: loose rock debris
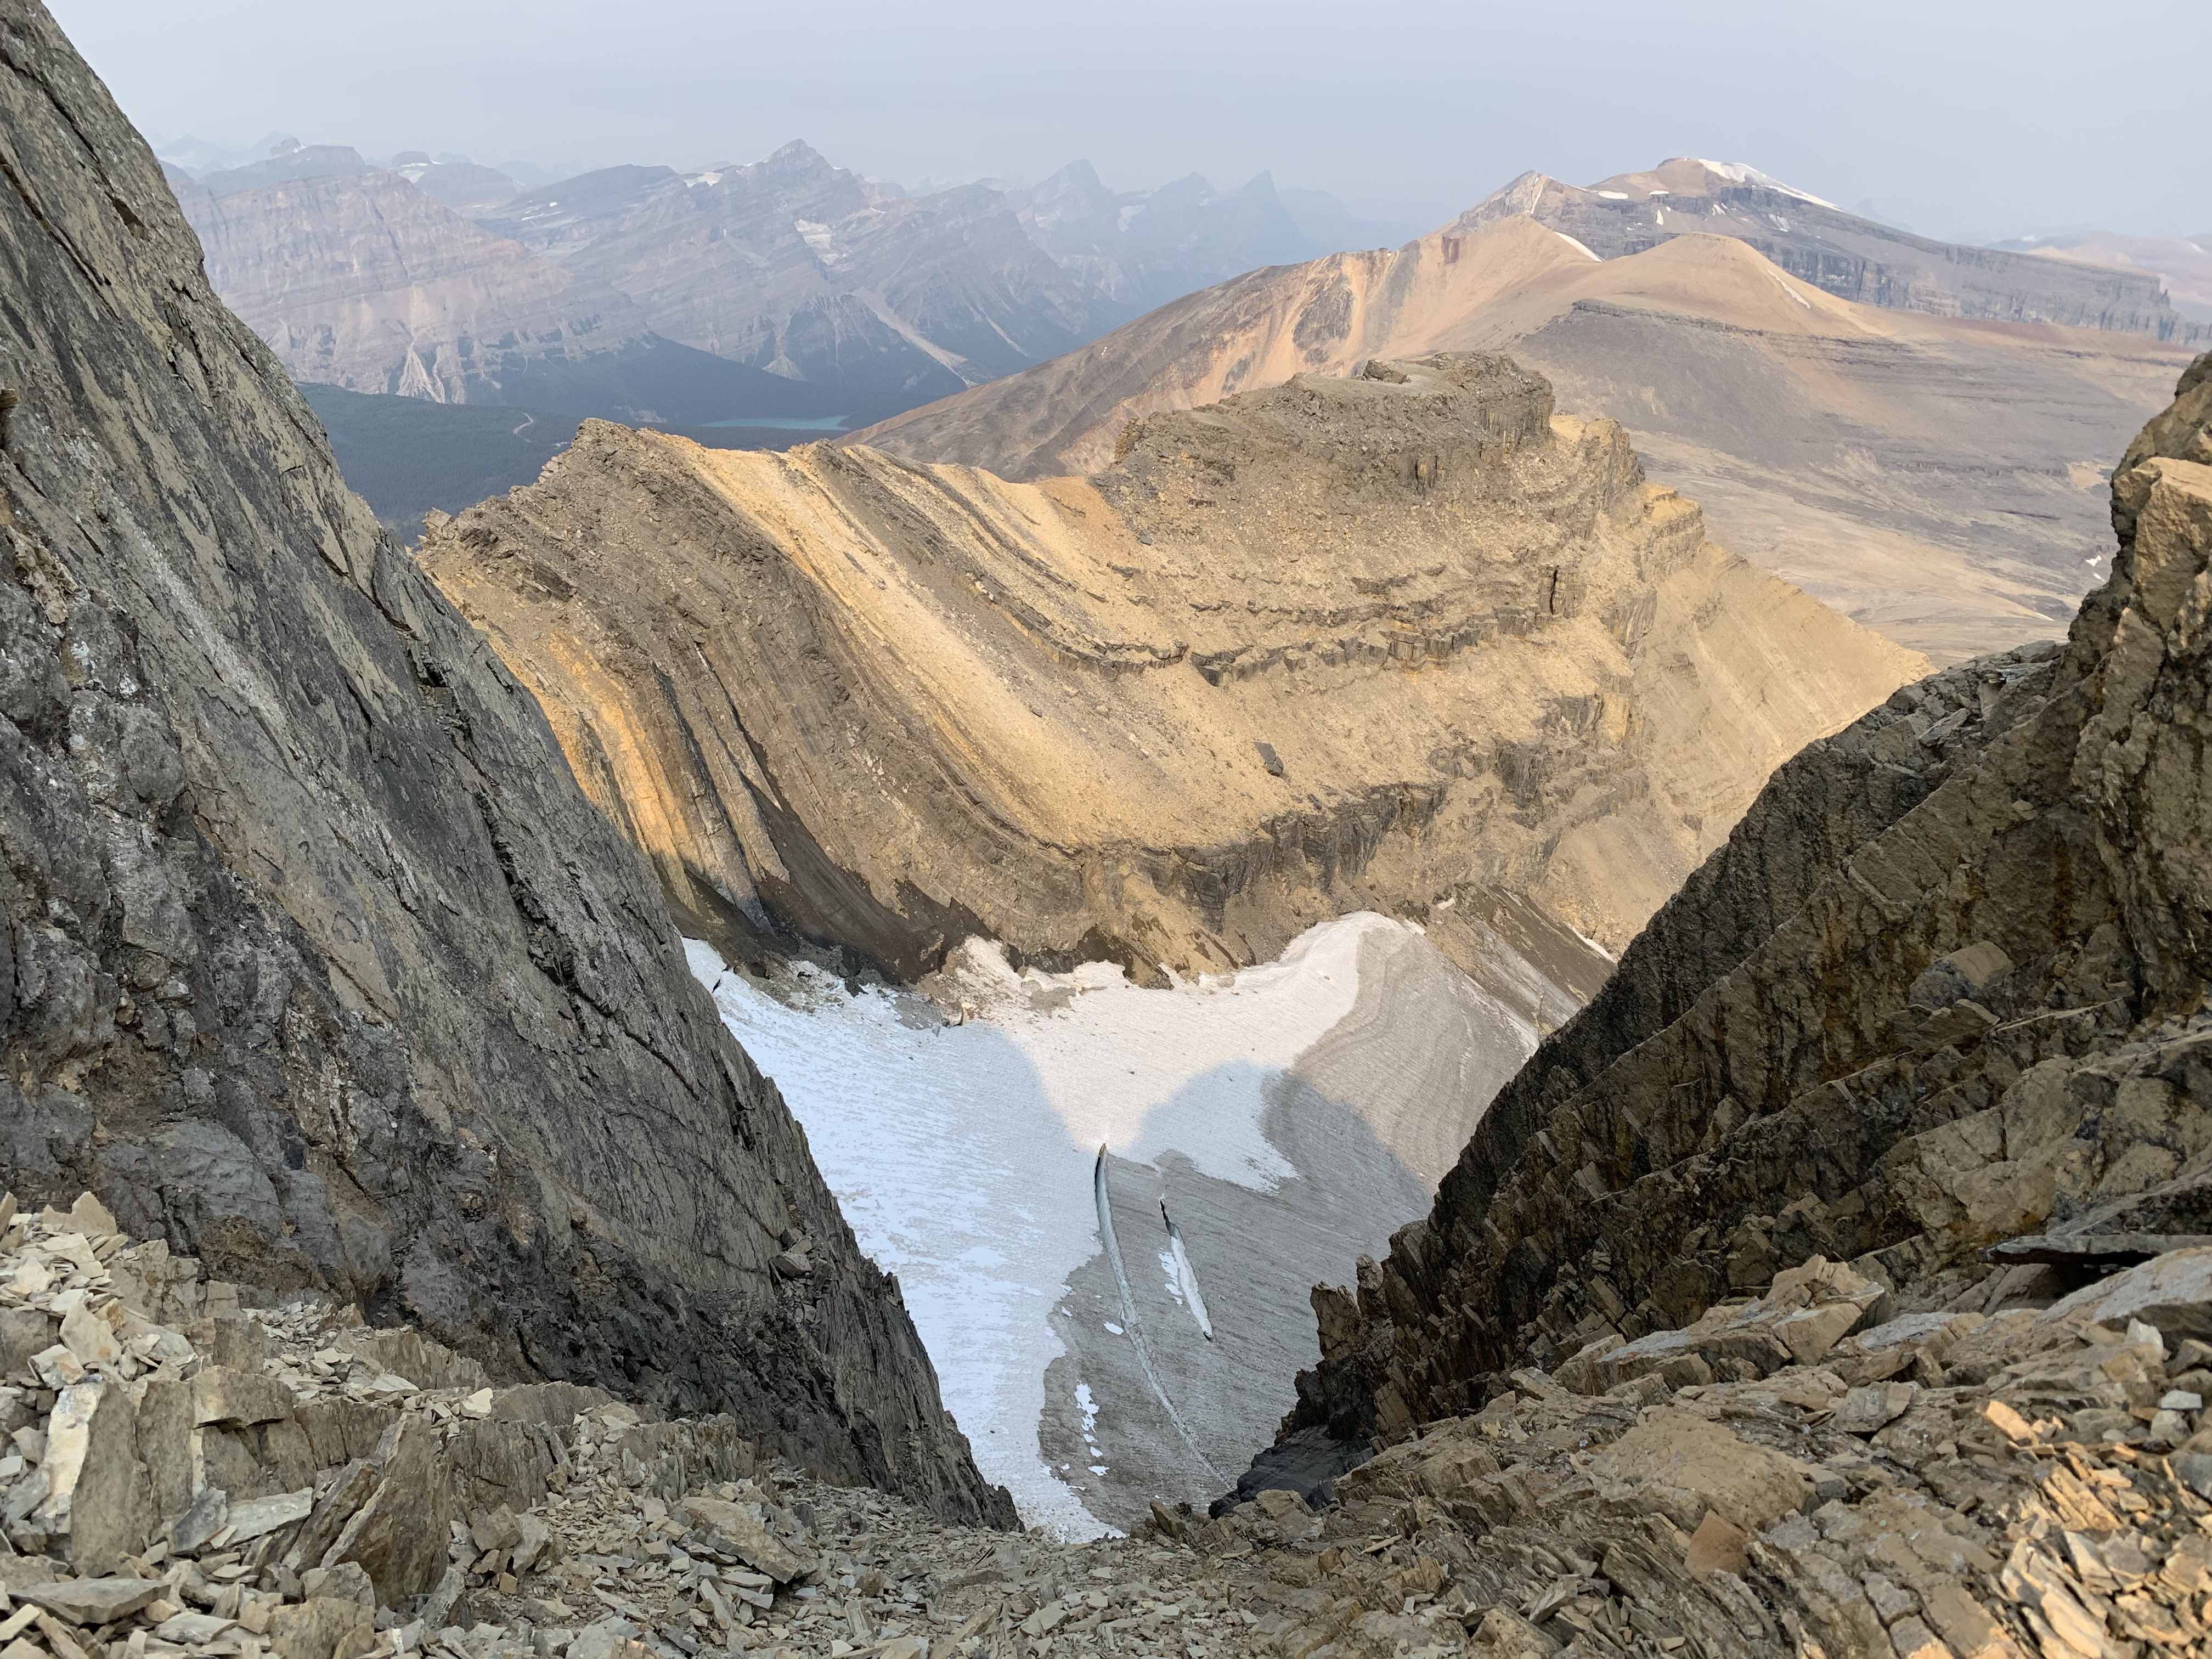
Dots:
{"x": 2034, "y": 1482}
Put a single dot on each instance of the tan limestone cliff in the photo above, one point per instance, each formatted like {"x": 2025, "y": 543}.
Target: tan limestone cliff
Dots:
{"x": 1380, "y": 642}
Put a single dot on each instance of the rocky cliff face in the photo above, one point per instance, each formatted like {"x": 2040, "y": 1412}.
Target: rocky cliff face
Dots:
{"x": 1934, "y": 478}
{"x": 792, "y": 265}
{"x": 1820, "y": 243}
{"x": 1388, "y": 643}
{"x": 1941, "y": 991}
{"x": 2182, "y": 263}
{"x": 318, "y": 965}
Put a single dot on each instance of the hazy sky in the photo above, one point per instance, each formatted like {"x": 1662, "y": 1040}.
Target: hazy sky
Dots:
{"x": 1953, "y": 115}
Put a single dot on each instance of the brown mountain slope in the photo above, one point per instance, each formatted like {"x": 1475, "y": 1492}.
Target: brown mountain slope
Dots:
{"x": 1384, "y": 642}
{"x": 317, "y": 963}
{"x": 1929, "y": 476}
{"x": 1839, "y": 252}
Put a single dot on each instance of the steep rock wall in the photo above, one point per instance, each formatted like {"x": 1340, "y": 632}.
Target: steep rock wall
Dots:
{"x": 1911, "y": 1011}
{"x": 318, "y": 965}
{"x": 1385, "y": 642}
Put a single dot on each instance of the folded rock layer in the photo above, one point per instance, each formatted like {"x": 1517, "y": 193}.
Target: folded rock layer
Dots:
{"x": 1940, "y": 990}
{"x": 1381, "y": 642}
{"x": 319, "y": 965}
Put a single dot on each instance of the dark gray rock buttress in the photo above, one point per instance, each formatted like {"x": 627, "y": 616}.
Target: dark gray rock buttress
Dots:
{"x": 318, "y": 963}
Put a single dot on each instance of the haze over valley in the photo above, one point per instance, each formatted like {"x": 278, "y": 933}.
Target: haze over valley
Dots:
{"x": 753, "y": 911}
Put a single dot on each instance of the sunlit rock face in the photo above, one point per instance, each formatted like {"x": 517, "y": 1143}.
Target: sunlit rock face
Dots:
{"x": 1410, "y": 641}
{"x": 1936, "y": 477}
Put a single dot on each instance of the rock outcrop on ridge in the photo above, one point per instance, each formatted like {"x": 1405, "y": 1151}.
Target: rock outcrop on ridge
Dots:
{"x": 1399, "y": 642}
{"x": 319, "y": 966}
{"x": 1938, "y": 479}
{"x": 1947, "y": 1027}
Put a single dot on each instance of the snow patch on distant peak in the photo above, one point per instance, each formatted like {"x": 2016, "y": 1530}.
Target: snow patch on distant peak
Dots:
{"x": 1581, "y": 248}
{"x": 1739, "y": 172}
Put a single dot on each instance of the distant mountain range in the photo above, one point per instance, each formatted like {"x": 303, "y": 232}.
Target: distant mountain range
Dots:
{"x": 763, "y": 305}
{"x": 786, "y": 288}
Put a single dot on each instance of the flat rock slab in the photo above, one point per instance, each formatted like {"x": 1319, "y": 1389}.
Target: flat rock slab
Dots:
{"x": 257, "y": 1516}
{"x": 2173, "y": 1293}
{"x": 2091, "y": 1250}
{"x": 93, "y": 1601}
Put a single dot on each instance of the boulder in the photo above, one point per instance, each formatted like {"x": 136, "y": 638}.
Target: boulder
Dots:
{"x": 1686, "y": 1468}
{"x": 165, "y": 1446}
{"x": 222, "y": 1395}
{"x": 339, "y": 1430}
{"x": 324, "y": 1627}
{"x": 731, "y": 1529}
{"x": 399, "y": 1535}
{"x": 24, "y": 1332}
{"x": 2171, "y": 1293}
{"x": 95, "y": 1491}
{"x": 90, "y": 1338}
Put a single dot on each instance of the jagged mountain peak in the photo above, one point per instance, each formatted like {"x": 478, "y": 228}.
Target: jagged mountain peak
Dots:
{"x": 796, "y": 159}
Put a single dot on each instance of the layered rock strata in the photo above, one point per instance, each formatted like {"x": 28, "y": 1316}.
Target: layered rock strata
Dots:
{"x": 847, "y": 296}
{"x": 319, "y": 967}
{"x": 1392, "y": 642}
{"x": 369, "y": 282}
{"x": 1899, "y": 1020}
